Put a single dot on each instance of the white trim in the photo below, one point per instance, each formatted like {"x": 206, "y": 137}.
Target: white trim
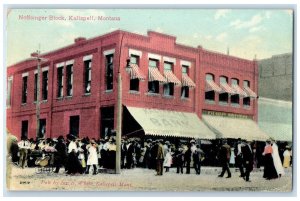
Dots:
{"x": 25, "y": 74}
{"x": 185, "y": 63}
{"x": 69, "y": 62}
{"x": 135, "y": 52}
{"x": 10, "y": 78}
{"x": 154, "y": 56}
{"x": 169, "y": 59}
{"x": 45, "y": 69}
{"x": 62, "y": 64}
{"x": 108, "y": 52}
{"x": 35, "y": 71}
{"x": 87, "y": 57}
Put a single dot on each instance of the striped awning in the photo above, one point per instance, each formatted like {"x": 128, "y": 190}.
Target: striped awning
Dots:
{"x": 170, "y": 77}
{"x": 227, "y": 89}
{"x": 154, "y": 75}
{"x": 135, "y": 72}
{"x": 212, "y": 86}
{"x": 250, "y": 93}
{"x": 239, "y": 91}
{"x": 187, "y": 81}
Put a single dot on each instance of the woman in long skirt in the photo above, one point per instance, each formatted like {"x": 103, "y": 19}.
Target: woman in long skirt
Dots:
{"x": 92, "y": 158}
{"x": 269, "y": 169}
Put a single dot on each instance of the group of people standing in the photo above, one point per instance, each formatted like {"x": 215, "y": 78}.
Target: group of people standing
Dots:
{"x": 82, "y": 155}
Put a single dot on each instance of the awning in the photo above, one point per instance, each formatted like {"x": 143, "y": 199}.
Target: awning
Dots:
{"x": 229, "y": 127}
{"x": 250, "y": 93}
{"x": 187, "y": 81}
{"x": 135, "y": 72}
{"x": 239, "y": 91}
{"x": 169, "y": 75}
{"x": 226, "y": 89}
{"x": 154, "y": 75}
{"x": 170, "y": 123}
{"x": 212, "y": 86}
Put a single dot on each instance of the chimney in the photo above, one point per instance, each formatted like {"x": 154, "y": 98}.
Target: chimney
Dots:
{"x": 79, "y": 39}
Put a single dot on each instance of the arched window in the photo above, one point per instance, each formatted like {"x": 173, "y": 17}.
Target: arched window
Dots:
{"x": 223, "y": 97}
{"x": 246, "y": 100}
{"x": 235, "y": 98}
{"x": 209, "y": 94}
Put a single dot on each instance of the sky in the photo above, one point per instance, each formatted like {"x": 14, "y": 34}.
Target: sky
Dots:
{"x": 245, "y": 32}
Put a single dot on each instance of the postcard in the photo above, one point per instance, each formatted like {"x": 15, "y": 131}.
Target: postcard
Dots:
{"x": 176, "y": 100}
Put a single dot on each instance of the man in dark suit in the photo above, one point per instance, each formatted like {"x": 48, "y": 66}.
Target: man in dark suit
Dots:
{"x": 123, "y": 153}
{"x": 188, "y": 158}
{"x": 247, "y": 159}
{"x": 224, "y": 156}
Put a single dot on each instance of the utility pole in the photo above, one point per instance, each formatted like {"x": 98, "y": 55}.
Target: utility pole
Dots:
{"x": 36, "y": 55}
{"x": 119, "y": 113}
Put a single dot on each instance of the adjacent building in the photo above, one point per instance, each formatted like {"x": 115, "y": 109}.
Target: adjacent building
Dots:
{"x": 168, "y": 89}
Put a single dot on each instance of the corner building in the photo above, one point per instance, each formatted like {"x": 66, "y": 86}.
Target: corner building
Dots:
{"x": 168, "y": 89}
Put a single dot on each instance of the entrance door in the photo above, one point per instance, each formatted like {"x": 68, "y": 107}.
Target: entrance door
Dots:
{"x": 74, "y": 125}
{"x": 107, "y": 121}
{"x": 42, "y": 129}
{"x": 24, "y": 129}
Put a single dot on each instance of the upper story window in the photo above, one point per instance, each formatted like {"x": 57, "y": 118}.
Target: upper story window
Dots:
{"x": 87, "y": 76}
{"x": 184, "y": 89}
{"x": 168, "y": 87}
{"x": 24, "y": 88}
{"x": 134, "y": 83}
{"x": 235, "y": 98}
{"x": 109, "y": 71}
{"x": 153, "y": 86}
{"x": 45, "y": 85}
{"x": 246, "y": 100}
{"x": 223, "y": 97}
{"x": 60, "y": 82}
{"x": 246, "y": 83}
{"x": 9, "y": 89}
{"x": 35, "y": 86}
{"x": 69, "y": 77}
{"x": 210, "y": 94}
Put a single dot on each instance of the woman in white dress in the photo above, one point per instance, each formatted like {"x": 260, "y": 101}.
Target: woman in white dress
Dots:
{"x": 168, "y": 160}
{"x": 232, "y": 157}
{"x": 277, "y": 160}
{"x": 92, "y": 157}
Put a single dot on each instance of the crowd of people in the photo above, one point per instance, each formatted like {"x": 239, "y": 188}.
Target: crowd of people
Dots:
{"x": 79, "y": 156}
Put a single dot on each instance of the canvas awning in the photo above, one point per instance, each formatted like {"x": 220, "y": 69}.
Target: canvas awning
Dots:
{"x": 226, "y": 89}
{"x": 250, "y": 93}
{"x": 239, "y": 91}
{"x": 229, "y": 127}
{"x": 187, "y": 81}
{"x": 170, "y": 77}
{"x": 154, "y": 75}
{"x": 135, "y": 72}
{"x": 212, "y": 86}
{"x": 171, "y": 123}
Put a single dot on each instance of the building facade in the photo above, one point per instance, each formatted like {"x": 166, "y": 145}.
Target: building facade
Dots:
{"x": 160, "y": 79}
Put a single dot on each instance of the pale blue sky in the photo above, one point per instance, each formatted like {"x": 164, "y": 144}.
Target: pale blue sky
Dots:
{"x": 247, "y": 32}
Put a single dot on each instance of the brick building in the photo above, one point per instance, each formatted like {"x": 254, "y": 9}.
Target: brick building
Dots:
{"x": 167, "y": 89}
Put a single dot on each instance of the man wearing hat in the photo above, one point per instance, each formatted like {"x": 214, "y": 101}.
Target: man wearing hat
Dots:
{"x": 61, "y": 154}
{"x": 247, "y": 159}
{"x": 24, "y": 146}
{"x": 224, "y": 156}
{"x": 160, "y": 158}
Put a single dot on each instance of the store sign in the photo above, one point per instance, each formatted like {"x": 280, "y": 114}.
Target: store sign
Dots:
{"x": 224, "y": 114}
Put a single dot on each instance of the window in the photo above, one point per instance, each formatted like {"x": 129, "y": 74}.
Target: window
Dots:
{"x": 134, "y": 83}
{"x": 70, "y": 80}
{"x": 24, "y": 89}
{"x": 235, "y": 98}
{"x": 42, "y": 129}
{"x": 153, "y": 86}
{"x": 185, "y": 89}
{"x": 9, "y": 87}
{"x": 209, "y": 95}
{"x": 168, "y": 87}
{"x": 35, "y": 86}
{"x": 223, "y": 97}
{"x": 109, "y": 71}
{"x": 60, "y": 82}
{"x": 45, "y": 85}
{"x": 246, "y": 100}
{"x": 74, "y": 125}
{"x": 87, "y": 76}
{"x": 24, "y": 129}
